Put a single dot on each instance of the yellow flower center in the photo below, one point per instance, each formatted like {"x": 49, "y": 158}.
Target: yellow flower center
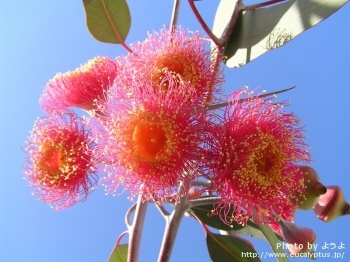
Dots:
{"x": 173, "y": 64}
{"x": 260, "y": 174}
{"x": 265, "y": 163}
{"x": 149, "y": 140}
{"x": 53, "y": 158}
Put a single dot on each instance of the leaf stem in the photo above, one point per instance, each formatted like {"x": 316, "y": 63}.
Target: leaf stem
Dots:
{"x": 136, "y": 230}
{"x": 202, "y": 23}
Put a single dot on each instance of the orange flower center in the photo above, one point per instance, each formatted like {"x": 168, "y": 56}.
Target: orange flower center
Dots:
{"x": 57, "y": 159}
{"x": 52, "y": 158}
{"x": 265, "y": 163}
{"x": 149, "y": 140}
{"x": 174, "y": 64}
{"x": 61, "y": 164}
{"x": 260, "y": 174}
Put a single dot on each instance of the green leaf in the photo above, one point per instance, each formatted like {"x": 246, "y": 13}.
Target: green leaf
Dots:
{"x": 262, "y": 30}
{"x": 231, "y": 249}
{"x": 108, "y": 20}
{"x": 204, "y": 214}
{"x": 121, "y": 256}
{"x": 252, "y": 230}
{"x": 273, "y": 240}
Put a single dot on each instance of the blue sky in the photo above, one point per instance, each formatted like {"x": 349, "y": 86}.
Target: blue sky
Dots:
{"x": 40, "y": 38}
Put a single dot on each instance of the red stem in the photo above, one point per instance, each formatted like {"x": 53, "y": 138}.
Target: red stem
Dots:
{"x": 202, "y": 23}
{"x": 115, "y": 31}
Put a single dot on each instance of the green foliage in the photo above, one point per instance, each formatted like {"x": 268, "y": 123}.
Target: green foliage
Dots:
{"x": 227, "y": 248}
{"x": 108, "y": 20}
{"x": 273, "y": 240}
{"x": 204, "y": 214}
{"x": 119, "y": 254}
{"x": 259, "y": 31}
{"x": 251, "y": 229}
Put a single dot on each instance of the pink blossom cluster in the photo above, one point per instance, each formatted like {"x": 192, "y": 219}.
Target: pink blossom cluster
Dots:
{"x": 151, "y": 128}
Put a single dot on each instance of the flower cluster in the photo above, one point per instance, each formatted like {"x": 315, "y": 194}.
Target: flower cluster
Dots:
{"x": 61, "y": 164}
{"x": 152, "y": 129}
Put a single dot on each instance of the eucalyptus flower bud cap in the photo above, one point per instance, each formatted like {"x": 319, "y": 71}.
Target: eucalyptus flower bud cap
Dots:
{"x": 193, "y": 193}
{"x": 332, "y": 204}
{"x": 313, "y": 188}
{"x": 298, "y": 239}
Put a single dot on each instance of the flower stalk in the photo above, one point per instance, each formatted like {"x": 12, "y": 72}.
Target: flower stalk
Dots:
{"x": 173, "y": 223}
{"x": 175, "y": 14}
{"x": 135, "y": 230}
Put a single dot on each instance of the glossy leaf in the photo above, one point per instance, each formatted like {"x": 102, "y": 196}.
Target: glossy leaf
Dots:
{"x": 120, "y": 256}
{"x": 231, "y": 249}
{"x": 108, "y": 20}
{"x": 203, "y": 213}
{"x": 262, "y": 30}
{"x": 273, "y": 240}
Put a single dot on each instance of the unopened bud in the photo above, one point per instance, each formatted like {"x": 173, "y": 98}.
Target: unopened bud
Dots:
{"x": 332, "y": 204}
{"x": 313, "y": 188}
{"x": 193, "y": 193}
{"x": 298, "y": 239}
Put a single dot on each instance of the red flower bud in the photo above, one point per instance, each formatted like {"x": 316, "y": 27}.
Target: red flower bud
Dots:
{"x": 332, "y": 204}
{"x": 193, "y": 193}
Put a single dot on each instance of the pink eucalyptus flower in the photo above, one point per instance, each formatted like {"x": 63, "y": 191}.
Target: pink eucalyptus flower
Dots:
{"x": 60, "y": 165}
{"x": 254, "y": 151}
{"x": 332, "y": 204}
{"x": 182, "y": 53}
{"x": 80, "y": 88}
{"x": 150, "y": 141}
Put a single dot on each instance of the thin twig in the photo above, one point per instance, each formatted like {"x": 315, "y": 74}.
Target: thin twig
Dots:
{"x": 175, "y": 14}
{"x": 217, "y": 106}
{"x": 173, "y": 224}
{"x": 239, "y": 8}
{"x": 257, "y": 6}
{"x": 202, "y": 23}
{"x": 203, "y": 201}
{"x": 163, "y": 211}
{"x": 118, "y": 244}
{"x": 135, "y": 231}
{"x": 231, "y": 25}
{"x": 201, "y": 183}
{"x": 128, "y": 215}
